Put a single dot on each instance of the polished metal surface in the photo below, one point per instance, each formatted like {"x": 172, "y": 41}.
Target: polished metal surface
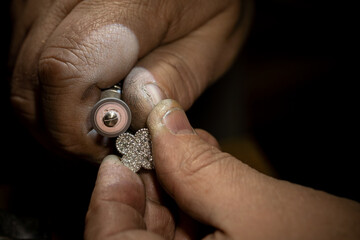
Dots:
{"x": 111, "y": 118}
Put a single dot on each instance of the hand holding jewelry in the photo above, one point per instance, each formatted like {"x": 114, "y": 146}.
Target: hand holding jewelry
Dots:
{"x": 111, "y": 117}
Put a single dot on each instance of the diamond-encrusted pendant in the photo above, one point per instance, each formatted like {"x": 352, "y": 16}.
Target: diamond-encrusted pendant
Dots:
{"x": 135, "y": 149}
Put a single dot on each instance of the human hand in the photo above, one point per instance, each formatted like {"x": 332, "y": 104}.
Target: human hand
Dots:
{"x": 66, "y": 51}
{"x": 210, "y": 187}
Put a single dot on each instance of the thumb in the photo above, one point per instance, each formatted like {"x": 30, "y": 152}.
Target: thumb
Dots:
{"x": 203, "y": 180}
{"x": 239, "y": 202}
{"x": 117, "y": 202}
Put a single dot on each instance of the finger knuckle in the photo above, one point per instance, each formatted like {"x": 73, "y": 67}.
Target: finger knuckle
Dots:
{"x": 199, "y": 157}
{"x": 23, "y": 105}
{"x": 59, "y": 64}
{"x": 63, "y": 136}
{"x": 22, "y": 95}
{"x": 182, "y": 81}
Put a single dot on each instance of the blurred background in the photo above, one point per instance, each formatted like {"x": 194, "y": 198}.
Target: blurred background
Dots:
{"x": 288, "y": 107}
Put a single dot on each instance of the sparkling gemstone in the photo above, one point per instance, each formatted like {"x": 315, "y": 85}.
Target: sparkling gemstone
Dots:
{"x": 136, "y": 149}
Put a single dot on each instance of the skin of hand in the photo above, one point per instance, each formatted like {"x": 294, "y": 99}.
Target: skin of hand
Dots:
{"x": 65, "y": 51}
{"x": 209, "y": 187}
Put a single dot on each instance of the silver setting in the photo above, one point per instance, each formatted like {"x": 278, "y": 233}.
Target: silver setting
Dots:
{"x": 136, "y": 150}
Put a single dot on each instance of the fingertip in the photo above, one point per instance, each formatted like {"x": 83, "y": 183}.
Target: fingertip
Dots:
{"x": 142, "y": 93}
{"x": 111, "y": 160}
{"x": 113, "y": 171}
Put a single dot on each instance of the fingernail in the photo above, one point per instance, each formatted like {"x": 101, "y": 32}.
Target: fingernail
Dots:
{"x": 176, "y": 121}
{"x": 112, "y": 171}
{"x": 112, "y": 159}
{"x": 154, "y": 93}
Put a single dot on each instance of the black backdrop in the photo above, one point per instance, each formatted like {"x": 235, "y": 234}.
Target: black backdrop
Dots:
{"x": 292, "y": 89}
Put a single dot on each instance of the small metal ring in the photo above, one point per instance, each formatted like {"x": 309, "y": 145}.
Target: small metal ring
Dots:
{"x": 114, "y": 104}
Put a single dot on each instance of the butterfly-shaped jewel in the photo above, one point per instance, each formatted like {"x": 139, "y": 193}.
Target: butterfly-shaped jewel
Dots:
{"x": 135, "y": 149}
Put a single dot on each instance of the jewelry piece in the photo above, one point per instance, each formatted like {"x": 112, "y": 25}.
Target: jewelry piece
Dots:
{"x": 111, "y": 117}
{"x": 135, "y": 150}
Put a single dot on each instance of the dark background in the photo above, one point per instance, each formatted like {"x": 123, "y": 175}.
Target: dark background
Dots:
{"x": 292, "y": 89}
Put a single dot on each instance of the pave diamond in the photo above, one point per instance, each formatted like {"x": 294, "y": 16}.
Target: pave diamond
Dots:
{"x": 135, "y": 150}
